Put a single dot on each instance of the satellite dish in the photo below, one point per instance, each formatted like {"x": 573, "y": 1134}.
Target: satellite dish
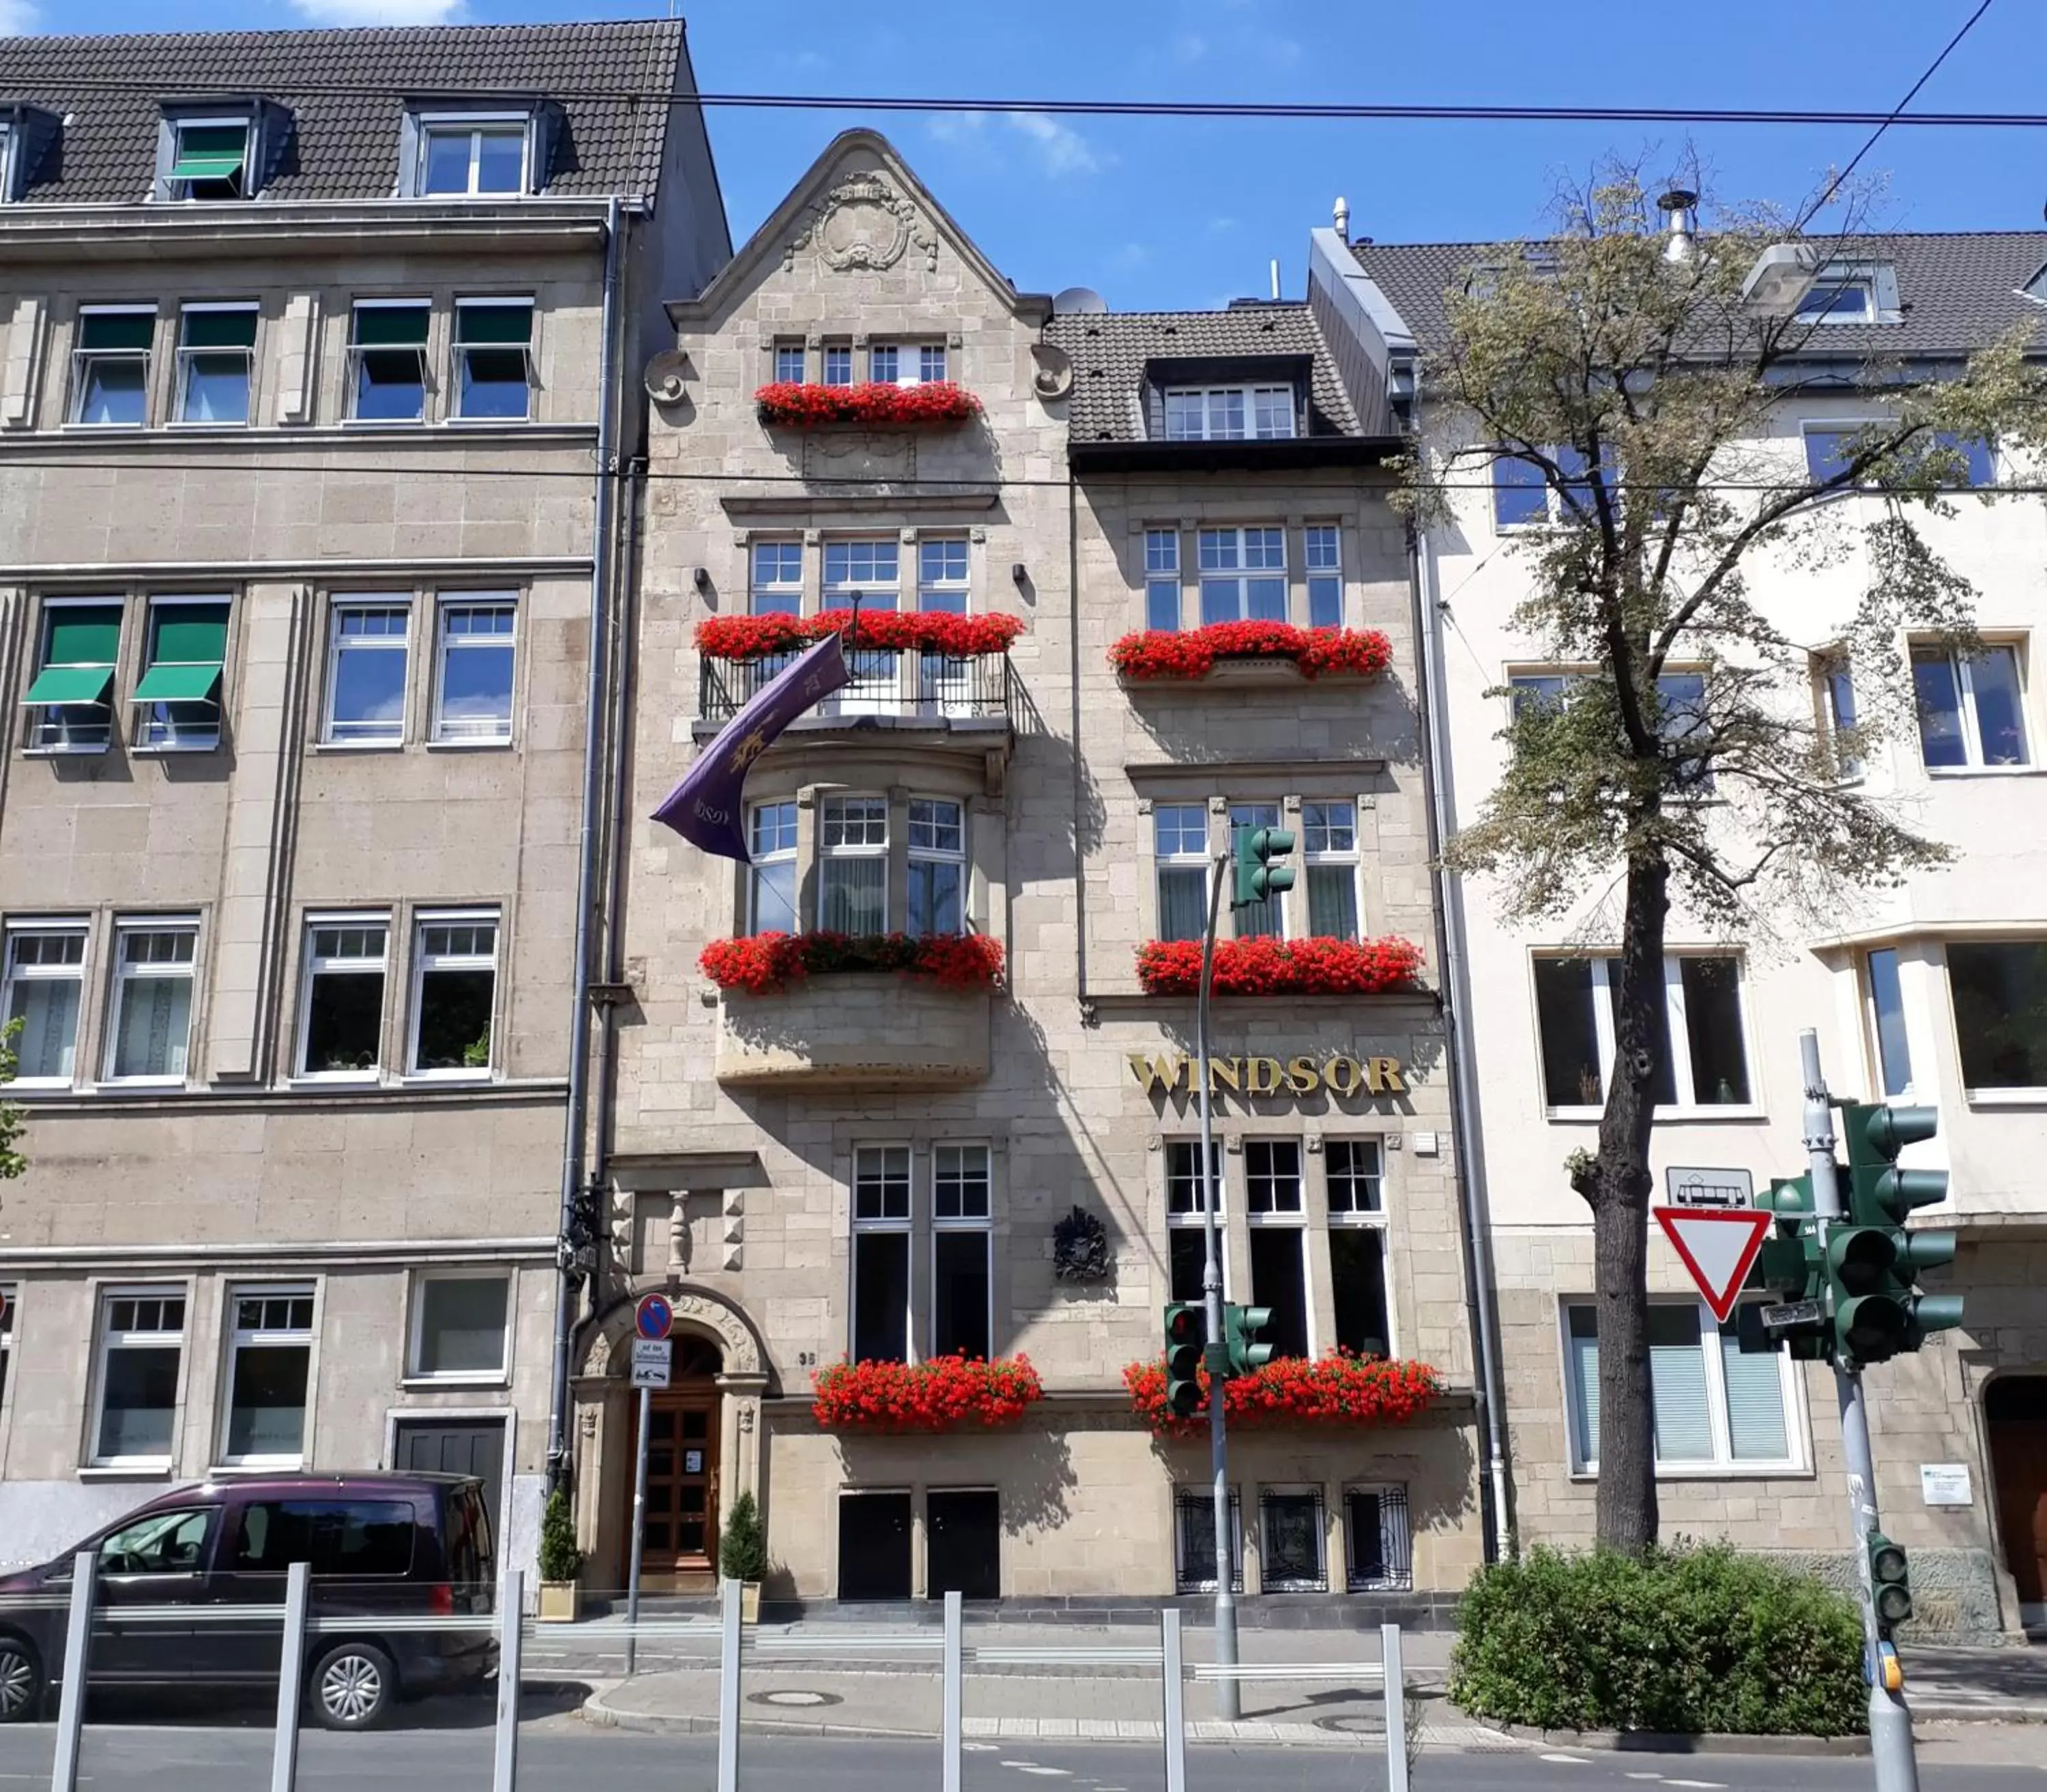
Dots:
{"x": 666, "y": 376}
{"x": 1055, "y": 377}
{"x": 1078, "y": 301}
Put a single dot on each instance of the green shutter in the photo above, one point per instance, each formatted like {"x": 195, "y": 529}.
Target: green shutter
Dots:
{"x": 188, "y": 634}
{"x": 220, "y": 329}
{"x": 178, "y": 684}
{"x": 494, "y": 325}
{"x": 81, "y": 634}
{"x": 116, "y": 330}
{"x": 391, "y": 326}
{"x": 70, "y": 684}
{"x": 211, "y": 152}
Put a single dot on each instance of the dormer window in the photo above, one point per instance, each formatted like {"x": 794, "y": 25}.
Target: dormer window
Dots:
{"x": 7, "y": 141}
{"x": 1229, "y": 413}
{"x": 474, "y": 154}
{"x": 209, "y": 159}
{"x": 1864, "y": 293}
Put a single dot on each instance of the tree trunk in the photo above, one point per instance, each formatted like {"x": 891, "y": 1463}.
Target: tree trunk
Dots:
{"x": 1618, "y": 1187}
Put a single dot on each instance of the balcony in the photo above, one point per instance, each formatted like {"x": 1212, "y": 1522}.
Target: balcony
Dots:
{"x": 854, "y": 1030}
{"x": 892, "y": 689}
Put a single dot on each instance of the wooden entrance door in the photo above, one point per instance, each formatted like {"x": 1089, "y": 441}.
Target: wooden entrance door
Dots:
{"x": 2016, "y": 1409}
{"x": 679, "y": 1546}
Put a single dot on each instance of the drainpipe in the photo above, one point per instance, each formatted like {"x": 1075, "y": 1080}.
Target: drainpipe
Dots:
{"x": 1464, "y": 1118}
{"x": 587, "y": 840}
{"x": 1080, "y": 772}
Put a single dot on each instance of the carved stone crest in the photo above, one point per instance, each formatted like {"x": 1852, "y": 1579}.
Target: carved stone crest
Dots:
{"x": 1079, "y": 1248}
{"x": 863, "y": 223}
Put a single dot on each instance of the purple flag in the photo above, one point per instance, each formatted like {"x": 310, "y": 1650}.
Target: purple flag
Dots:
{"x": 706, "y": 808}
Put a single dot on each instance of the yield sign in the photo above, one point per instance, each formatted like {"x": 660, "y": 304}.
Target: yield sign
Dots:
{"x": 1717, "y": 1244}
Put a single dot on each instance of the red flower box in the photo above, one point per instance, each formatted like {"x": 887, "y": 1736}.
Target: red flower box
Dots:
{"x": 939, "y": 1396}
{"x": 1340, "y": 1389}
{"x": 766, "y": 962}
{"x": 798, "y": 405}
{"x": 1281, "y": 967}
{"x": 1191, "y": 653}
{"x": 748, "y": 637}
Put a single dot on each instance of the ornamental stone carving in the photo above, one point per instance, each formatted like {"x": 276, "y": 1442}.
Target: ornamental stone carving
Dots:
{"x": 863, "y": 223}
{"x": 739, "y": 1353}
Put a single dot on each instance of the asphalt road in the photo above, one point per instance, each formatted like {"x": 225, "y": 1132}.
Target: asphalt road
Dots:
{"x": 560, "y": 1754}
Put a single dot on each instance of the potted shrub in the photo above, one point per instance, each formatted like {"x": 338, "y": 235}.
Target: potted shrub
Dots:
{"x": 561, "y": 1561}
{"x": 742, "y": 1555}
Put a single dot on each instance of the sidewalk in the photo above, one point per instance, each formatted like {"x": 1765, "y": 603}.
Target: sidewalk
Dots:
{"x": 1978, "y": 1686}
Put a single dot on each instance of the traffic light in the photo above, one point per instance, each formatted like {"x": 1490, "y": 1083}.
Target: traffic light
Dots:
{"x": 1789, "y": 1265}
{"x": 1252, "y": 851}
{"x": 1872, "y": 1261}
{"x": 1889, "y": 1580}
{"x": 1241, "y": 1327}
{"x": 1184, "y": 1326}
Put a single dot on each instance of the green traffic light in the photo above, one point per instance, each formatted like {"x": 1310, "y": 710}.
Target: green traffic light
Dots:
{"x": 1888, "y": 1131}
{"x": 1185, "y": 1324}
{"x": 1252, "y": 850}
{"x": 1241, "y": 1325}
{"x": 1890, "y": 1579}
{"x": 1873, "y": 1262}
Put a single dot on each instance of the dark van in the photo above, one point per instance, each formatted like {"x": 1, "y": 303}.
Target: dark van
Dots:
{"x": 183, "y": 1582}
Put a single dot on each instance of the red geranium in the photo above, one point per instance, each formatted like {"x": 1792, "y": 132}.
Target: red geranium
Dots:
{"x": 798, "y": 405}
{"x": 763, "y": 963}
{"x": 748, "y": 637}
{"x": 1191, "y": 653}
{"x": 938, "y": 1396}
{"x": 1281, "y": 967}
{"x": 1338, "y": 1389}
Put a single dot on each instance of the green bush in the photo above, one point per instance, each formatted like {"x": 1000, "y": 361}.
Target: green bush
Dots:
{"x": 560, "y": 1559}
{"x": 743, "y": 1554}
{"x": 1680, "y": 1641}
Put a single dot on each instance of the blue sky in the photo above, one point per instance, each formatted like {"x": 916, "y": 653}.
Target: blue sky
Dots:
{"x": 1189, "y": 213}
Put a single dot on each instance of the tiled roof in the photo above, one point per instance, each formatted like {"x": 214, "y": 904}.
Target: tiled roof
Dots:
{"x": 1959, "y": 291}
{"x": 345, "y": 91}
{"x": 1111, "y": 350}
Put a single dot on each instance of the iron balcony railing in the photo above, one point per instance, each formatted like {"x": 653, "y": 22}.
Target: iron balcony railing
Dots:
{"x": 900, "y": 684}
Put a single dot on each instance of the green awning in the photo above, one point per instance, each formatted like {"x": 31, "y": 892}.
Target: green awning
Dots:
{"x": 178, "y": 684}
{"x": 391, "y": 326}
{"x": 220, "y": 329}
{"x": 71, "y": 684}
{"x": 494, "y": 326}
{"x": 193, "y": 165}
{"x": 83, "y": 635}
{"x": 191, "y": 634}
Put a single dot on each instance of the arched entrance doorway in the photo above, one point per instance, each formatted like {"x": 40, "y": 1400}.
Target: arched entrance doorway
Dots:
{"x": 2015, "y": 1418}
{"x": 680, "y": 1529}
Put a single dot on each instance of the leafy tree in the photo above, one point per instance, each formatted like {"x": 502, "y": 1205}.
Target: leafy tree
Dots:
{"x": 560, "y": 1559}
{"x": 13, "y": 1123}
{"x": 1637, "y": 388}
{"x": 742, "y": 1554}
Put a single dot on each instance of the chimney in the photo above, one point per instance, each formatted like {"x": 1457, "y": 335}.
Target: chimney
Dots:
{"x": 1678, "y": 203}
{"x": 1343, "y": 217}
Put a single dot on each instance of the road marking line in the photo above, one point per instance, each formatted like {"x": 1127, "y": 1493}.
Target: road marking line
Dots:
{"x": 1567, "y": 1760}
{"x": 1057, "y": 1773}
{"x": 1645, "y": 1776}
{"x": 1700, "y": 1785}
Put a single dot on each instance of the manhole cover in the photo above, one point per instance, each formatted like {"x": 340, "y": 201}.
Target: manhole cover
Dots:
{"x": 1349, "y": 1725}
{"x": 795, "y": 1695}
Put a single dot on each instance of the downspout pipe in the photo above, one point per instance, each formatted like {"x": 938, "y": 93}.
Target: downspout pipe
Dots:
{"x": 576, "y": 1121}
{"x": 1436, "y": 763}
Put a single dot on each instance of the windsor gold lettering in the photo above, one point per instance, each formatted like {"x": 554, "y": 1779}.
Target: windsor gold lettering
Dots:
{"x": 1172, "y": 1074}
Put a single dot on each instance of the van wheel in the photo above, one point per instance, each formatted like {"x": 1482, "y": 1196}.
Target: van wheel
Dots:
{"x": 20, "y": 1682}
{"x": 352, "y": 1686}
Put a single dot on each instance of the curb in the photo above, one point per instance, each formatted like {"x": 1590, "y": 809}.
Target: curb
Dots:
{"x": 1653, "y": 1742}
{"x": 2011, "y": 1711}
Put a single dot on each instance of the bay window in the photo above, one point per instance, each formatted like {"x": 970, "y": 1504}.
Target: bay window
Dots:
{"x": 1886, "y": 1015}
{"x": 2000, "y": 997}
{"x": 1575, "y": 1000}
{"x": 771, "y": 878}
{"x": 853, "y": 864}
{"x": 937, "y": 899}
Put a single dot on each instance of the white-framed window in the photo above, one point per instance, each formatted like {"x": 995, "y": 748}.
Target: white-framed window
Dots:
{"x": 1999, "y": 991}
{"x": 1162, "y": 579}
{"x": 1180, "y": 846}
{"x": 880, "y": 1328}
{"x": 210, "y": 158}
{"x": 141, "y": 1349}
{"x": 494, "y": 374}
{"x": 1194, "y": 1542}
{"x": 1276, "y": 1211}
{"x": 1322, "y": 556}
{"x": 179, "y": 693}
{"x": 937, "y": 897}
{"x": 789, "y": 369}
{"x": 1329, "y": 857}
{"x": 868, "y": 569}
{"x": 460, "y": 1326}
{"x": 149, "y": 1033}
{"x": 10, "y": 1296}
{"x": 1831, "y": 444}
{"x": 216, "y": 363}
{"x": 1834, "y": 700}
{"x": 1839, "y": 298}
{"x": 1716, "y": 1411}
{"x": 776, "y": 584}
{"x": 341, "y": 1002}
{"x": 1522, "y": 497}
{"x": 368, "y": 641}
{"x": 1242, "y": 575}
{"x": 1265, "y": 919}
{"x": 473, "y": 667}
{"x": 45, "y": 975}
{"x": 942, "y": 576}
{"x": 1709, "y": 1065}
{"x": 110, "y": 365}
{"x": 1292, "y": 1535}
{"x": 853, "y": 864}
{"x": 1354, "y": 1179}
{"x": 10, "y": 191}
{"x": 1229, "y": 413}
{"x": 962, "y": 1243}
{"x": 838, "y": 363}
{"x": 1186, "y": 1225}
{"x": 884, "y": 362}
{"x": 455, "y": 993}
{"x": 269, "y": 1361}
{"x": 770, "y": 878}
{"x": 932, "y": 362}
{"x": 1378, "y": 1546}
{"x": 1971, "y": 707}
{"x": 1890, "y": 1047}
{"x": 69, "y": 698}
{"x": 472, "y": 155}
{"x": 387, "y": 352}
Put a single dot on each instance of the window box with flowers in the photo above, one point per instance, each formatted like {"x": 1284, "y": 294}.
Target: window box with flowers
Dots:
{"x": 1162, "y": 655}
{"x": 1339, "y": 1390}
{"x": 945, "y": 1394}
{"x": 798, "y": 405}
{"x": 1263, "y": 966}
{"x": 957, "y": 637}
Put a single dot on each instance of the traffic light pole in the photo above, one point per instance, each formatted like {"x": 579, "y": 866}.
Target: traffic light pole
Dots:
{"x": 1890, "y": 1720}
{"x": 1228, "y": 1698}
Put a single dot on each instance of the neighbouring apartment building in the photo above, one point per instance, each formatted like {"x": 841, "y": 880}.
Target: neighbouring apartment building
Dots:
{"x": 1933, "y": 993}
{"x": 303, "y": 426}
{"x": 889, "y": 1167}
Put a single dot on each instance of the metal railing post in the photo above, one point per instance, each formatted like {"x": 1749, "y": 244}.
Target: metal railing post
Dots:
{"x": 291, "y": 1676}
{"x": 511, "y": 1635}
{"x": 1174, "y": 1689}
{"x": 955, "y": 1696}
{"x": 727, "y": 1688}
{"x": 1396, "y": 1708}
{"x": 78, "y": 1648}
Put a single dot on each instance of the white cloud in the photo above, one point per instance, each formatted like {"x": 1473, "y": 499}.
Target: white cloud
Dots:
{"x": 1190, "y": 46}
{"x": 17, "y": 19}
{"x": 379, "y": 12}
{"x": 1061, "y": 148}
{"x": 957, "y": 127}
